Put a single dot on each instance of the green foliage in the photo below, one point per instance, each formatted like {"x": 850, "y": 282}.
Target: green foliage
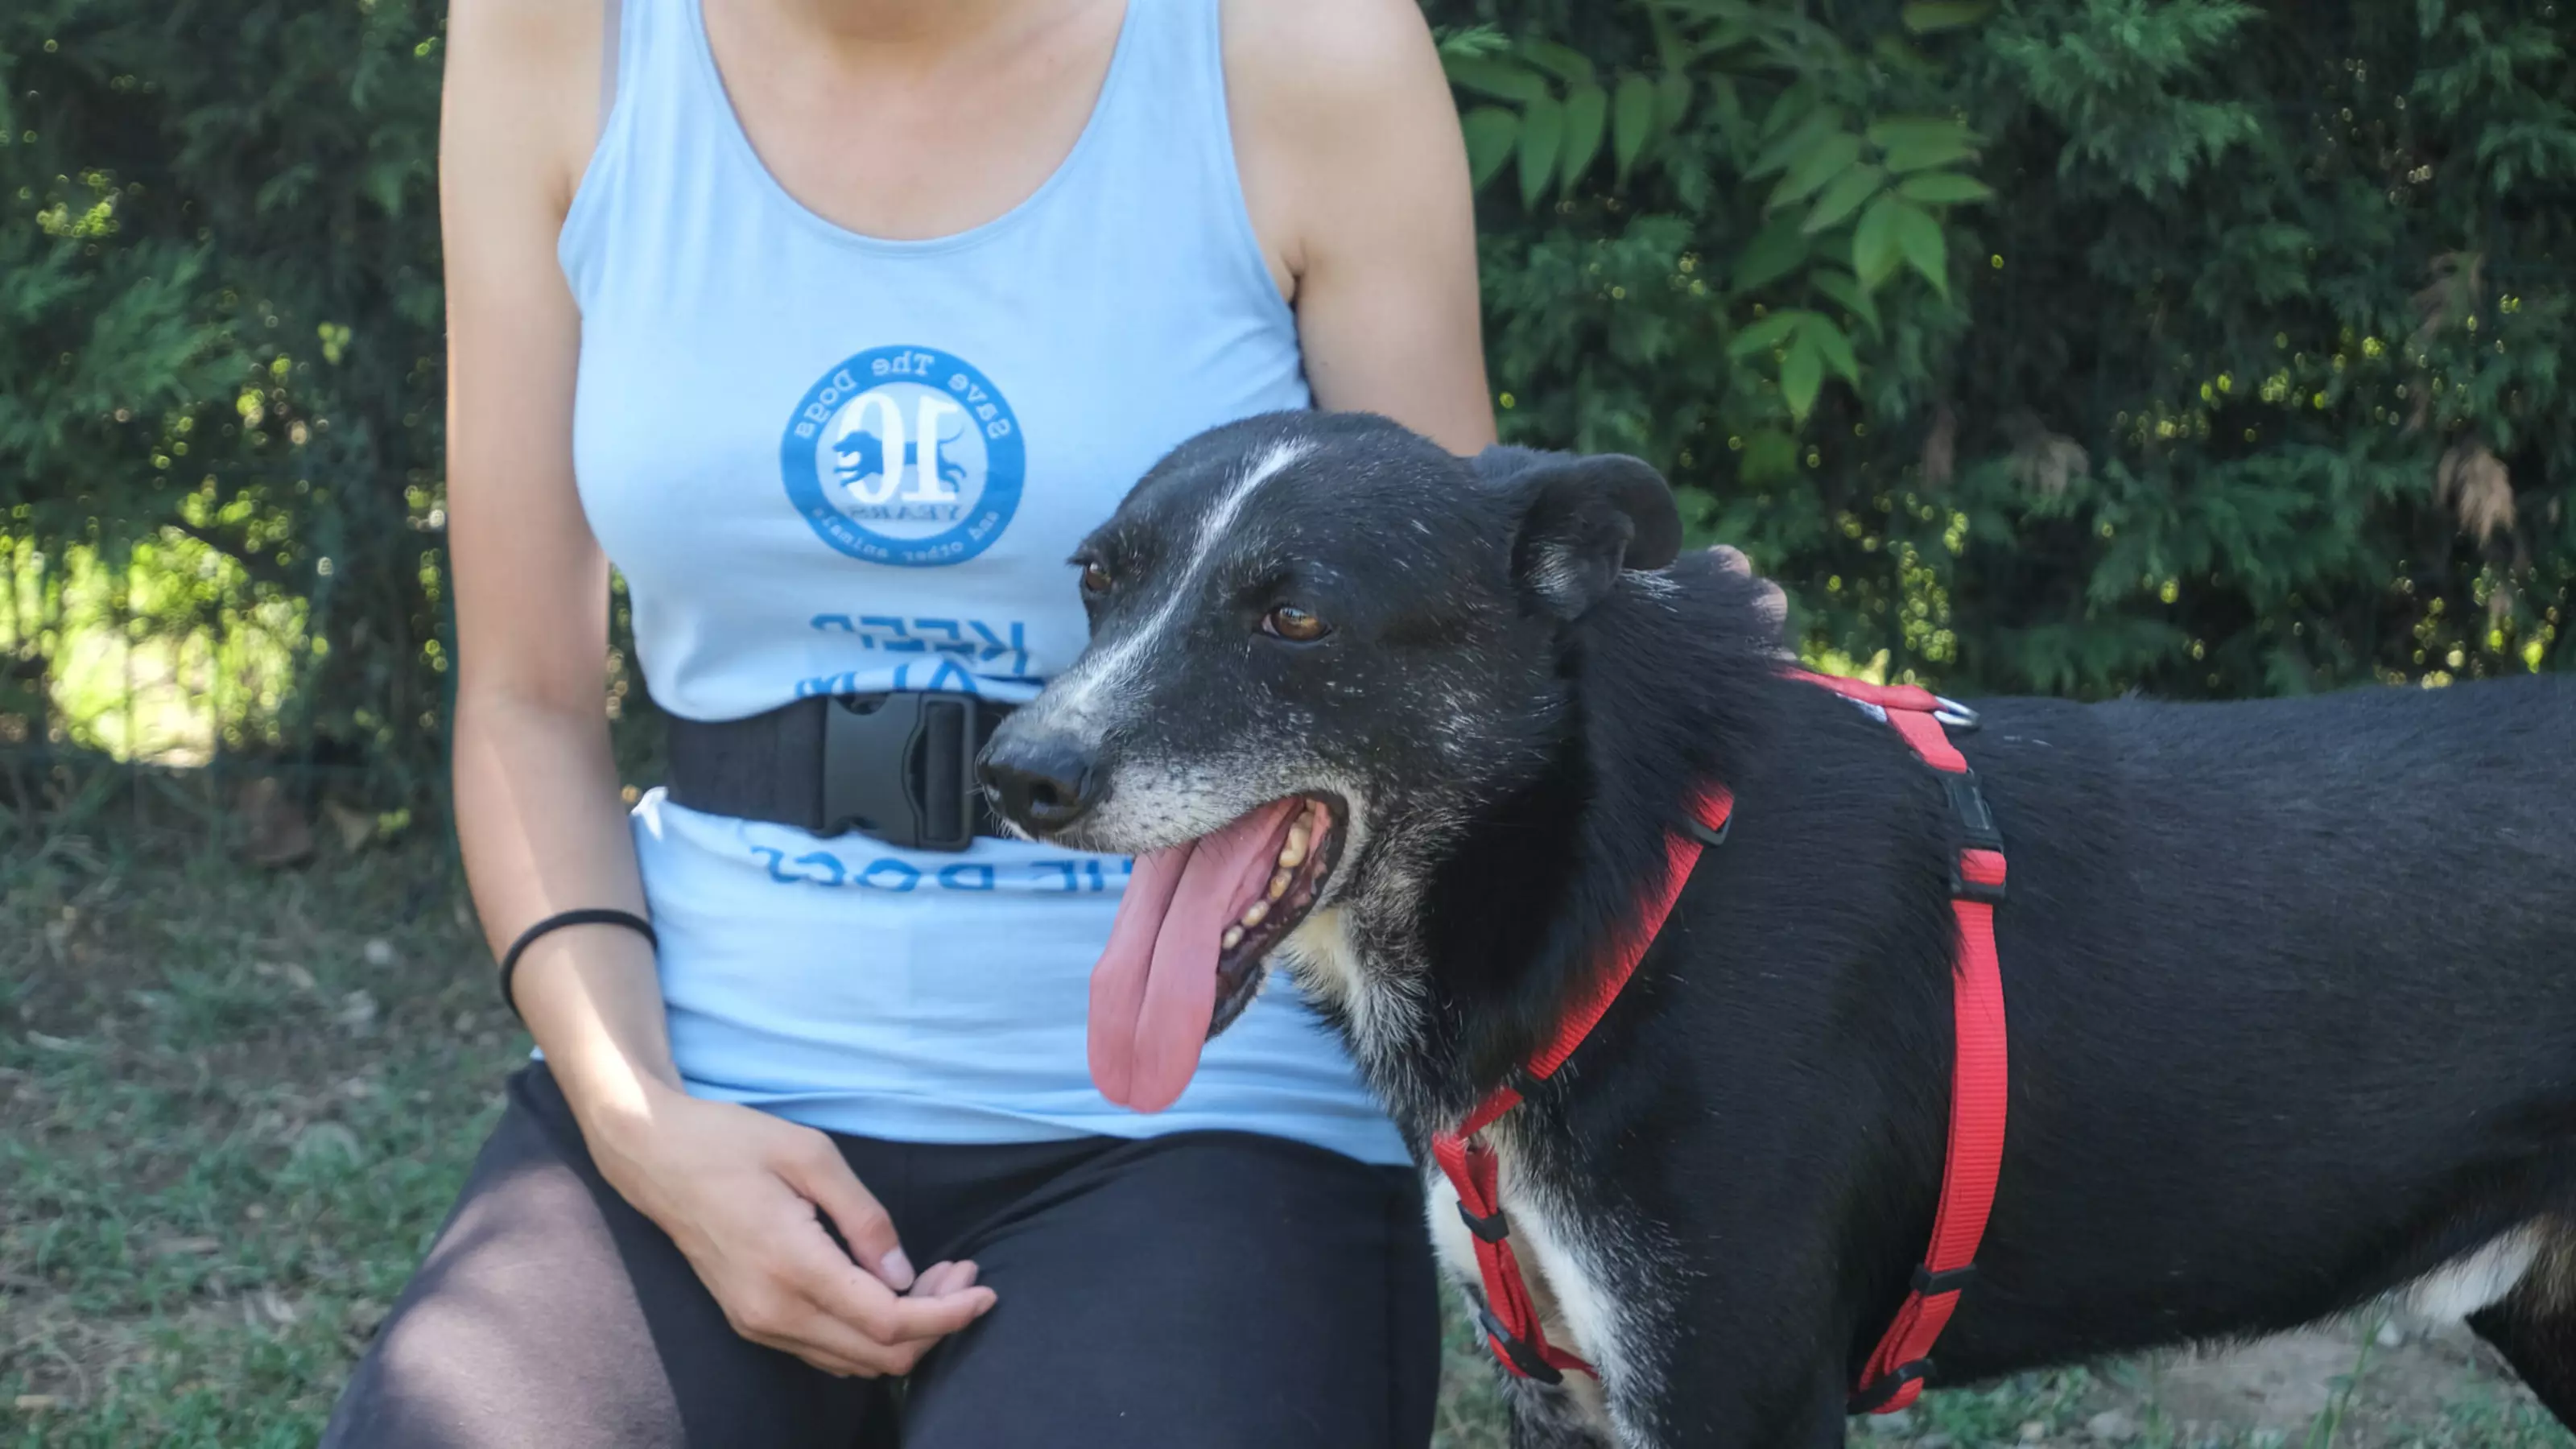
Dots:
{"x": 233, "y": 1128}
{"x": 2079, "y": 345}
{"x": 2082, "y": 345}
{"x": 220, "y": 365}
{"x": 1859, "y": 181}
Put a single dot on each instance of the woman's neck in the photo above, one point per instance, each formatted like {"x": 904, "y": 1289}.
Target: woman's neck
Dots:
{"x": 914, "y": 30}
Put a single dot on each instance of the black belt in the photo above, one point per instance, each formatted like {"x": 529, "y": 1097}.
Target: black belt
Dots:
{"x": 900, "y": 767}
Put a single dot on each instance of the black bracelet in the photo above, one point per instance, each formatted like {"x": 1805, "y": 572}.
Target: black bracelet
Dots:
{"x": 588, "y": 916}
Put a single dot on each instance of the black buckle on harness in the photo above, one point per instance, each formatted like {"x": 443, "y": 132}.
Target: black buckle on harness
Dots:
{"x": 1874, "y": 1397}
{"x": 1699, "y": 830}
{"x": 1977, "y": 823}
{"x": 1492, "y": 1230}
{"x": 1951, "y": 1280}
{"x": 1521, "y": 1355}
{"x": 902, "y": 768}
{"x": 1968, "y": 803}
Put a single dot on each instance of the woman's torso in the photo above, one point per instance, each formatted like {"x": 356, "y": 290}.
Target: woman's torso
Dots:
{"x": 827, "y": 463}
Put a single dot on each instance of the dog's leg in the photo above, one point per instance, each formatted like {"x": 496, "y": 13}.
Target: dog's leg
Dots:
{"x": 1812, "y": 1420}
{"x": 1827, "y": 1424}
{"x": 2536, "y": 1335}
{"x": 1546, "y": 1416}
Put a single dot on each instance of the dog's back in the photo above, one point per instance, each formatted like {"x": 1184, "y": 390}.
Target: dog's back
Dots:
{"x": 2276, "y": 968}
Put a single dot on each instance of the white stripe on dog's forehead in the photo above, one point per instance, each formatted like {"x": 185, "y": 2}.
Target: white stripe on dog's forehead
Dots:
{"x": 1080, "y": 698}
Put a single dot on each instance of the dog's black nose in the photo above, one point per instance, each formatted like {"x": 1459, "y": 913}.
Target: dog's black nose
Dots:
{"x": 1041, "y": 784}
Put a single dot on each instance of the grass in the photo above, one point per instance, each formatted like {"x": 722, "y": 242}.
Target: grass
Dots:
{"x": 235, "y": 1104}
{"x": 233, "y": 1107}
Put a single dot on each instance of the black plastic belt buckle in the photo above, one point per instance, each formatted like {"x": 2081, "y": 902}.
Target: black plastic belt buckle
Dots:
{"x": 1977, "y": 823}
{"x": 1522, "y": 1356}
{"x": 1492, "y": 1230}
{"x": 1873, "y": 1398}
{"x": 901, "y": 767}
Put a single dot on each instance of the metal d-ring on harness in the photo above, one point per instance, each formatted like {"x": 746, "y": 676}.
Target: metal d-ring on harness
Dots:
{"x": 1896, "y": 1371}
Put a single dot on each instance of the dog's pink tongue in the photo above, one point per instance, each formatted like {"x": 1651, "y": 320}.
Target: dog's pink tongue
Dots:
{"x": 1154, "y": 991}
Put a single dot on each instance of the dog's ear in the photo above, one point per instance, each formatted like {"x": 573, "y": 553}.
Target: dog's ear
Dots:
{"x": 1581, "y": 520}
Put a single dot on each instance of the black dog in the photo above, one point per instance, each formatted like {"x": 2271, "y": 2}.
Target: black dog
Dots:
{"x": 2291, "y": 985}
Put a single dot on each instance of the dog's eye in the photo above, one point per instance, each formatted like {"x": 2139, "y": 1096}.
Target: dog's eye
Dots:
{"x": 1294, "y": 625}
{"x": 1095, "y": 579}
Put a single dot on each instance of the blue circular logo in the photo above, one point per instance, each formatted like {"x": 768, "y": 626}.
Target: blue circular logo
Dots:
{"x": 906, "y": 456}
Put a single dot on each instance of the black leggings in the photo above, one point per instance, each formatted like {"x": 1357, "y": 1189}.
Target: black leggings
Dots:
{"x": 1207, "y": 1289}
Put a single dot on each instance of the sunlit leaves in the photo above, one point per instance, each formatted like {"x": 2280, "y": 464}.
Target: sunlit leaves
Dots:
{"x": 1826, "y": 158}
{"x": 1842, "y": 176}
{"x": 1853, "y": 190}
{"x": 1943, "y": 188}
{"x": 1918, "y": 236}
{"x": 1504, "y": 80}
{"x": 237, "y": 362}
{"x": 1875, "y": 252}
{"x": 1927, "y": 16}
{"x": 1831, "y": 345}
{"x": 1558, "y": 114}
{"x": 1779, "y": 249}
{"x": 1568, "y": 64}
{"x": 1587, "y": 109}
{"x": 1815, "y": 127}
{"x": 1844, "y": 288}
{"x": 1802, "y": 373}
{"x": 1809, "y": 344}
{"x": 2092, "y": 265}
{"x": 1854, "y": 186}
{"x": 1919, "y": 143}
{"x": 1542, "y": 131}
{"x": 1672, "y": 99}
{"x": 1492, "y": 133}
{"x": 1632, "y": 122}
{"x": 1764, "y": 335}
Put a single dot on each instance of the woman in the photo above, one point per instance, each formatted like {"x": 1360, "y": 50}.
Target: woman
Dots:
{"x": 834, "y": 324}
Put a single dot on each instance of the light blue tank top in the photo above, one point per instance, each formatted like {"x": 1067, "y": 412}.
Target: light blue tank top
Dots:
{"x": 828, "y": 463}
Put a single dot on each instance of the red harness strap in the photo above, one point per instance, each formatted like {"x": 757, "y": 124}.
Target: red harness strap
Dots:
{"x": 1511, "y": 1323}
{"x": 1894, "y": 1375}
{"x": 1979, "y": 1077}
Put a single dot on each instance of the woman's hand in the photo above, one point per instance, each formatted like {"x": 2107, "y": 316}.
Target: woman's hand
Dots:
{"x": 537, "y": 805}
{"x": 1771, "y": 608}
{"x": 745, "y": 1195}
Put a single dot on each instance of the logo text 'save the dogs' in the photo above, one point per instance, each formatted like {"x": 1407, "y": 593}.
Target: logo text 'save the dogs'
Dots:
{"x": 905, "y": 456}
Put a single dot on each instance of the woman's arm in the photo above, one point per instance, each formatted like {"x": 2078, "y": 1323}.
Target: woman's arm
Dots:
{"x": 537, "y": 804}
{"x": 1356, "y": 176}
{"x": 1357, "y": 180}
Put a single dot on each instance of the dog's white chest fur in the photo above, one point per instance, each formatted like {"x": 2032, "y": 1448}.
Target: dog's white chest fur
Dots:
{"x": 1560, "y": 1262}
{"x": 1571, "y": 1306}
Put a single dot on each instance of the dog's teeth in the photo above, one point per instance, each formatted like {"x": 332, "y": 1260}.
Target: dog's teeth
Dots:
{"x": 1293, "y": 854}
{"x": 1253, "y": 914}
{"x": 1279, "y": 884}
{"x": 1233, "y": 937}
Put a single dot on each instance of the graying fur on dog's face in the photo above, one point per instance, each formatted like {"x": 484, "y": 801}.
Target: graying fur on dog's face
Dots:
{"x": 1438, "y": 688}
{"x": 1194, "y": 715}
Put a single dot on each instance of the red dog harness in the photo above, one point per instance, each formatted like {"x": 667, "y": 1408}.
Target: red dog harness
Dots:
{"x": 1895, "y": 1373}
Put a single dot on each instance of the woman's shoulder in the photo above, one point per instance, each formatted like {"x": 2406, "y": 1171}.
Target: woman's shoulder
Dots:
{"x": 1305, "y": 58}
{"x": 525, "y": 76}
{"x": 1316, "y": 90}
{"x": 1354, "y": 171}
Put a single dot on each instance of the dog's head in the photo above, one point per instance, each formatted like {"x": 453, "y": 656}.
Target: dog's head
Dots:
{"x": 1318, "y": 642}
